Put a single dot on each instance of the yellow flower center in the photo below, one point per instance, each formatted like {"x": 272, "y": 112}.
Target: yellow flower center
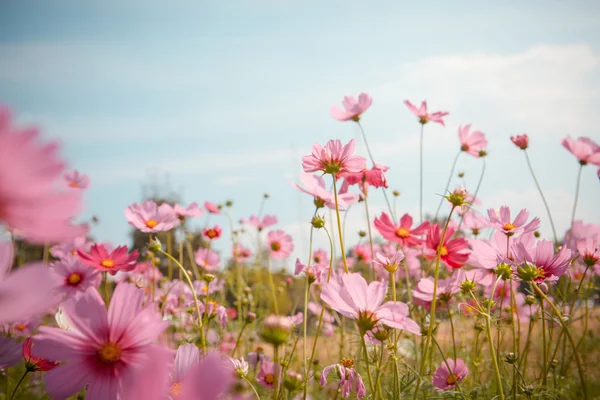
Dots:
{"x": 107, "y": 263}
{"x": 176, "y": 389}
{"x": 151, "y": 223}
{"x": 509, "y": 227}
{"x": 109, "y": 353}
{"x": 443, "y": 251}
{"x": 73, "y": 252}
{"x": 402, "y": 233}
{"x": 20, "y": 327}
{"x": 275, "y": 246}
{"x": 74, "y": 279}
{"x": 347, "y": 362}
{"x": 211, "y": 233}
{"x": 74, "y": 184}
{"x": 269, "y": 379}
{"x": 451, "y": 380}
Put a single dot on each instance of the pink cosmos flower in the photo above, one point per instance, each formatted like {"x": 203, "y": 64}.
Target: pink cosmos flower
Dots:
{"x": 475, "y": 222}
{"x": 589, "y": 251}
{"x": 102, "y": 260}
{"x": 35, "y": 363}
{"x": 502, "y": 221}
{"x": 191, "y": 211}
{"x": 401, "y": 233}
{"x": 31, "y": 205}
{"x": 350, "y": 380}
{"x": 260, "y": 224}
{"x": 150, "y": 217}
{"x": 549, "y": 266}
{"x": 334, "y": 158}
{"x": 354, "y": 299}
{"x": 471, "y": 142}
{"x": 207, "y": 259}
{"x": 152, "y": 381}
{"x": 315, "y": 186}
{"x": 241, "y": 253}
{"x": 580, "y": 231}
{"x": 367, "y": 177}
{"x": 315, "y": 273}
{"x": 69, "y": 248}
{"x": 389, "y": 263}
{"x": 521, "y": 141}
{"x": 187, "y": 357}
{"x": 585, "y": 149}
{"x": 280, "y": 244}
{"x": 266, "y": 374}
{"x": 352, "y": 108}
{"x": 77, "y": 180}
{"x": 362, "y": 253}
{"x": 445, "y": 290}
{"x": 104, "y": 349}
{"x": 76, "y": 277}
{"x": 212, "y": 233}
{"x": 445, "y": 378}
{"x": 212, "y": 207}
{"x": 321, "y": 258}
{"x": 422, "y": 114}
{"x": 454, "y": 252}
{"x": 28, "y": 291}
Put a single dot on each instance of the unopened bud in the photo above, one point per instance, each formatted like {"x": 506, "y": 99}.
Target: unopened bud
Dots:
{"x": 276, "y": 330}
{"x": 504, "y": 271}
{"x": 467, "y": 286}
{"x": 318, "y": 222}
{"x": 208, "y": 278}
{"x": 154, "y": 246}
{"x": 396, "y": 193}
{"x": 461, "y": 174}
{"x": 528, "y": 272}
{"x": 510, "y": 358}
{"x": 250, "y": 317}
{"x": 362, "y": 234}
{"x": 530, "y": 300}
{"x": 458, "y": 197}
{"x": 229, "y": 203}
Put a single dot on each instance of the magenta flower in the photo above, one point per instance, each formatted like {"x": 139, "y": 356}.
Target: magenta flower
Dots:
{"x": 31, "y": 205}
{"x": 102, "y": 260}
{"x": 212, "y": 233}
{"x": 471, "y": 142}
{"x": 354, "y": 299}
{"x": 77, "y": 180}
{"x": 75, "y": 276}
{"x": 212, "y": 207}
{"x": 585, "y": 149}
{"x": 400, "y": 233}
{"x": 104, "y": 349}
{"x": 260, "y": 224}
{"x": 334, "y": 158}
{"x": 521, "y": 141}
{"x": 503, "y": 223}
{"x": 280, "y": 244}
{"x": 367, "y": 177}
{"x": 589, "y": 251}
{"x": 445, "y": 378}
{"x": 28, "y": 291}
{"x": 422, "y": 114}
{"x": 541, "y": 262}
{"x": 191, "y": 211}
{"x": 315, "y": 186}
{"x": 453, "y": 253}
{"x": 350, "y": 380}
{"x": 207, "y": 259}
{"x": 352, "y": 108}
{"x": 149, "y": 217}
{"x": 266, "y": 374}
{"x": 35, "y": 363}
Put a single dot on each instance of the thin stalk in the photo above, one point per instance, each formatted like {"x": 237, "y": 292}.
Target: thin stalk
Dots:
{"x": 568, "y": 334}
{"x": 447, "y": 184}
{"x": 46, "y": 254}
{"x": 452, "y": 331}
{"x": 516, "y": 334}
{"x": 433, "y": 303}
{"x": 277, "y": 370}
{"x": 12, "y": 396}
{"x": 170, "y": 250}
{"x": 537, "y": 184}
{"x": 252, "y": 386}
{"x": 337, "y": 213}
{"x": 106, "y": 292}
{"x": 576, "y": 195}
{"x": 366, "y": 355}
{"x": 488, "y": 328}
{"x": 239, "y": 338}
{"x": 544, "y": 353}
{"x": 474, "y": 195}
{"x": 370, "y": 239}
{"x": 421, "y": 181}
{"x": 194, "y": 295}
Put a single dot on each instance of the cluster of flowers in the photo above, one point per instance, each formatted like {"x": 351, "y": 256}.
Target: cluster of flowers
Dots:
{"x": 121, "y": 344}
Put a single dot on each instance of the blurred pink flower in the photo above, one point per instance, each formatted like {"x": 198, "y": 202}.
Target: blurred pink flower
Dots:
{"x": 150, "y": 217}
{"x": 186, "y": 358}
{"x": 212, "y": 207}
{"x": 445, "y": 378}
{"x": 315, "y": 186}
{"x": 352, "y": 108}
{"x": 69, "y": 248}
{"x": 260, "y": 224}
{"x": 240, "y": 253}
{"x": 191, "y": 211}
{"x": 445, "y": 290}
{"x": 589, "y": 251}
{"x": 35, "y": 363}
{"x": 31, "y": 205}
{"x": 354, "y": 299}
{"x": 471, "y": 142}
{"x": 207, "y": 259}
{"x": 28, "y": 291}
{"x": 280, "y": 244}
{"x": 585, "y": 149}
{"x": 350, "y": 380}
{"x": 266, "y": 375}
{"x": 422, "y": 114}
{"x": 75, "y": 276}
{"x": 212, "y": 233}
{"x": 102, "y": 260}
{"x": 77, "y": 180}
{"x": 475, "y": 222}
{"x": 503, "y": 223}
{"x": 104, "y": 349}
{"x": 521, "y": 141}
{"x": 402, "y": 232}
{"x": 10, "y": 352}
{"x": 334, "y": 158}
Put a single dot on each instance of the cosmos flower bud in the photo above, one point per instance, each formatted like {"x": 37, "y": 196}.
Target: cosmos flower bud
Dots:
{"x": 458, "y": 197}
{"x": 362, "y": 234}
{"x": 467, "y": 286}
{"x": 396, "y": 193}
{"x": 482, "y": 153}
{"x": 486, "y": 303}
{"x": 155, "y": 246}
{"x": 208, "y": 278}
{"x": 461, "y": 174}
{"x": 276, "y": 330}
{"x": 318, "y": 222}
{"x": 229, "y": 203}
{"x": 504, "y": 271}
{"x": 521, "y": 141}
{"x": 266, "y": 195}
{"x": 528, "y": 272}
{"x": 510, "y": 358}
{"x": 250, "y": 317}
{"x": 530, "y": 300}
{"x": 380, "y": 333}
{"x": 292, "y": 381}
{"x": 537, "y": 234}
{"x": 554, "y": 363}
{"x": 479, "y": 327}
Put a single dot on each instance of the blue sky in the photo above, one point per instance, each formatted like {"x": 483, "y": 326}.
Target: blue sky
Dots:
{"x": 221, "y": 99}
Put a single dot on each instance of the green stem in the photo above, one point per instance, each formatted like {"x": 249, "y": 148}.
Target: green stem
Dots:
{"x": 488, "y": 328}
{"x": 253, "y": 388}
{"x": 537, "y": 184}
{"x": 421, "y": 181}
{"x": 12, "y": 396}
{"x": 337, "y": 213}
{"x": 447, "y": 365}
{"x": 366, "y": 355}
{"x": 276, "y": 371}
{"x": 569, "y": 337}
{"x": 106, "y": 291}
{"x": 370, "y": 239}
{"x": 170, "y": 250}
{"x": 576, "y": 196}
{"x": 452, "y": 332}
{"x": 239, "y": 338}
{"x": 474, "y": 196}
{"x": 447, "y": 184}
